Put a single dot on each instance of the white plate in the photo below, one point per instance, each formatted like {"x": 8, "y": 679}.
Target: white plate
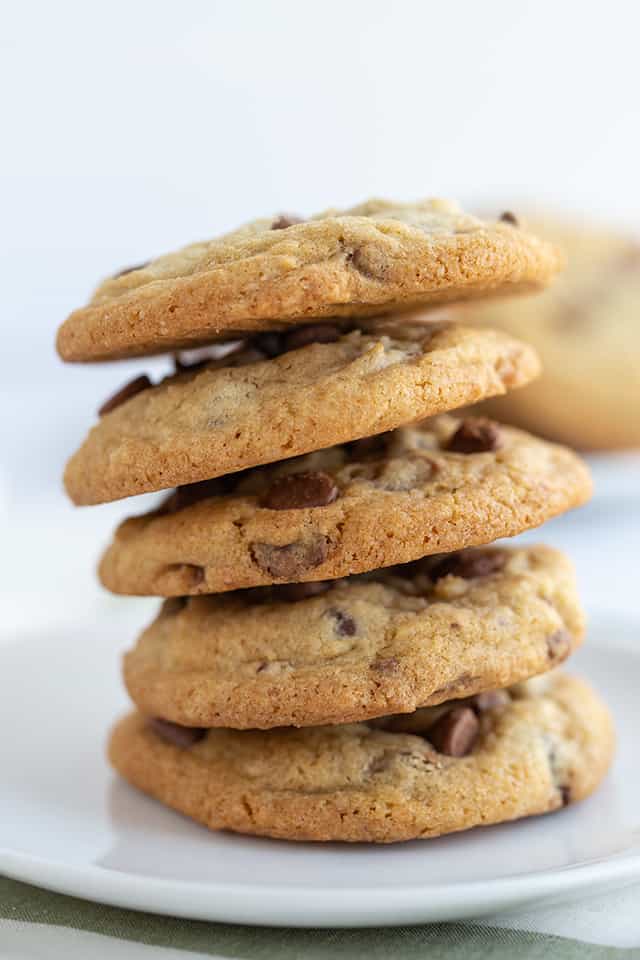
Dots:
{"x": 66, "y": 823}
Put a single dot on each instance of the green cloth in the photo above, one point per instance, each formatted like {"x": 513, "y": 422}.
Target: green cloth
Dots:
{"x": 449, "y": 941}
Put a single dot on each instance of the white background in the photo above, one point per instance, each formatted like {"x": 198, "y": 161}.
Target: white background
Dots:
{"x": 131, "y": 127}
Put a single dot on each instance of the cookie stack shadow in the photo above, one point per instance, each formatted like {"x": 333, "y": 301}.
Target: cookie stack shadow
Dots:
{"x": 341, "y": 654}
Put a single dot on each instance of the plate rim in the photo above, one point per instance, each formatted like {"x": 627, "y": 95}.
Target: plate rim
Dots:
{"x": 316, "y": 906}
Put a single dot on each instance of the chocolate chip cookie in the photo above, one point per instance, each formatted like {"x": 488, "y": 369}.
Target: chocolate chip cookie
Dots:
{"x": 244, "y": 409}
{"x": 443, "y": 485}
{"x": 585, "y": 329}
{"x": 542, "y": 745}
{"x": 374, "y": 258}
{"x": 347, "y": 650}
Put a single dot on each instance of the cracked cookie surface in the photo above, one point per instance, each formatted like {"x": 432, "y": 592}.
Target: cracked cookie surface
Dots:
{"x": 373, "y": 258}
{"x": 397, "y": 497}
{"x": 548, "y": 744}
{"x": 584, "y": 328}
{"x": 238, "y": 412}
{"x": 348, "y": 650}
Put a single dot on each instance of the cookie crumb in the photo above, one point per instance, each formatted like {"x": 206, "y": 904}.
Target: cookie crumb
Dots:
{"x": 299, "y": 491}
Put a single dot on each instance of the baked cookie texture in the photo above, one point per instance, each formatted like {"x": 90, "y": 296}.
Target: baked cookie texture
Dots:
{"x": 550, "y": 744}
{"x": 237, "y": 412}
{"x": 376, "y": 257}
{"x": 585, "y": 328}
{"x": 349, "y": 650}
{"x": 387, "y": 500}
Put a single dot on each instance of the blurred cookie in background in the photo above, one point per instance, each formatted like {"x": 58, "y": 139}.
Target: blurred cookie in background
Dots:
{"x": 586, "y": 329}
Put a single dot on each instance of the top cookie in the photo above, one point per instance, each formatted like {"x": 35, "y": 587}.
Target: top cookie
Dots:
{"x": 247, "y": 409}
{"x": 374, "y": 258}
{"x": 586, "y": 329}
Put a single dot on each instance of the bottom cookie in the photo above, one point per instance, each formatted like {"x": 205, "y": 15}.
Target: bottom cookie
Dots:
{"x": 529, "y": 750}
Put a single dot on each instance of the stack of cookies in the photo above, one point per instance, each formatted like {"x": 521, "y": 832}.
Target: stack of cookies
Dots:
{"x": 340, "y": 655}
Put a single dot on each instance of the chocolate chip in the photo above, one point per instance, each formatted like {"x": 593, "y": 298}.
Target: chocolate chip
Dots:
{"x": 475, "y": 435}
{"x": 175, "y": 734}
{"x": 455, "y": 733}
{"x": 291, "y": 560}
{"x": 285, "y": 220}
{"x": 287, "y": 592}
{"x": 387, "y": 665}
{"x": 268, "y": 343}
{"x": 508, "y": 217}
{"x": 369, "y": 447}
{"x": 468, "y": 564}
{"x": 312, "y": 333}
{"x": 125, "y": 393}
{"x": 275, "y": 344}
{"x": 173, "y": 605}
{"x": 126, "y": 270}
{"x": 557, "y": 771}
{"x": 190, "y": 493}
{"x": 293, "y": 592}
{"x": 344, "y": 624}
{"x": 245, "y": 356}
{"x": 490, "y": 700}
{"x": 558, "y": 645}
{"x": 417, "y": 723}
{"x": 552, "y": 756}
{"x": 298, "y": 491}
